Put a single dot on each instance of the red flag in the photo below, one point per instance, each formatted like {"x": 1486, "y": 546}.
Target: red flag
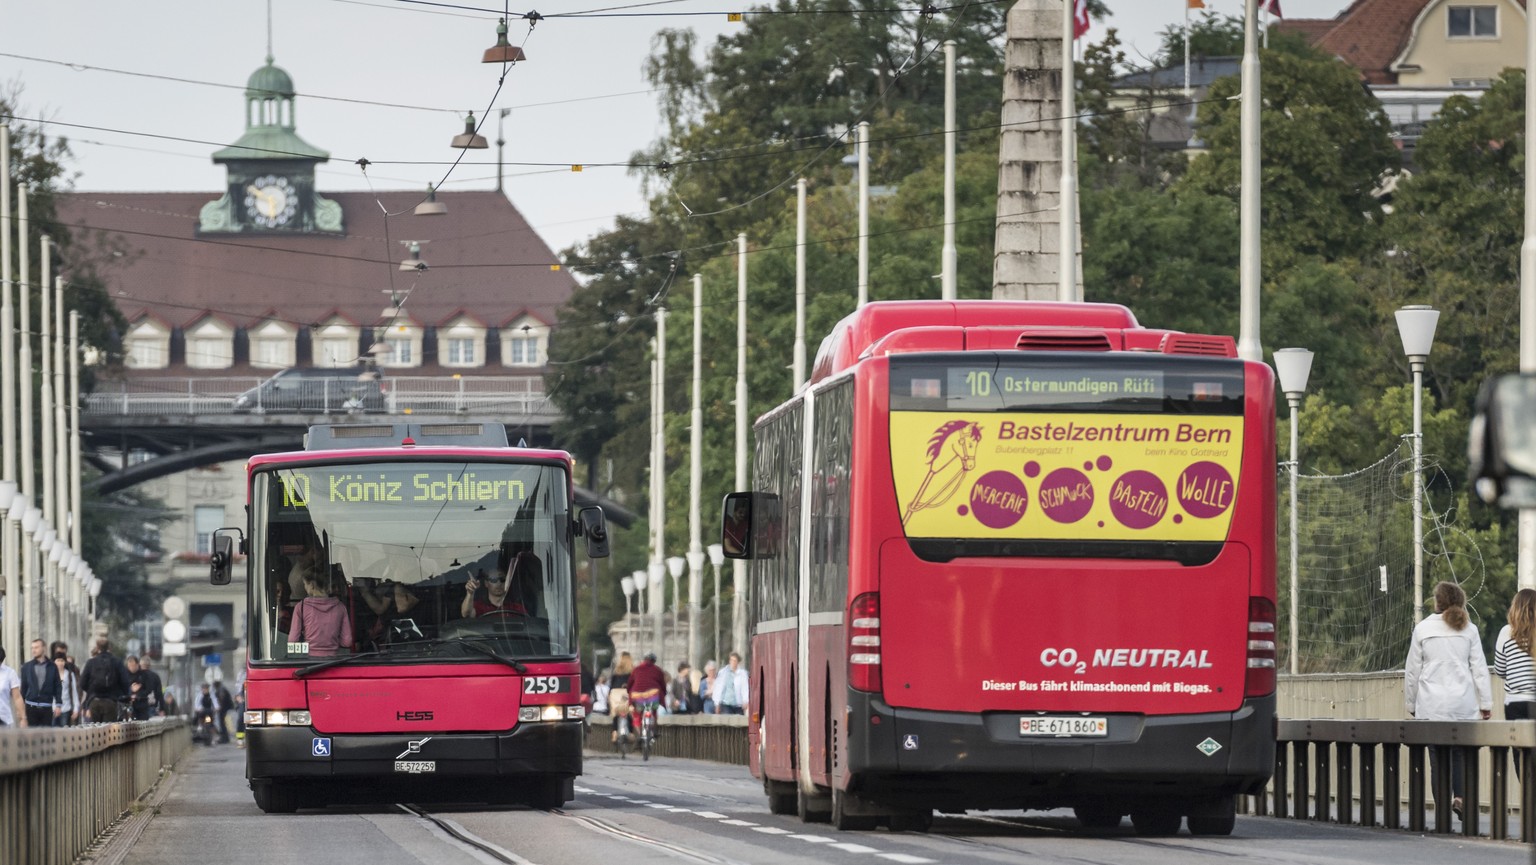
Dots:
{"x": 1273, "y": 8}
{"x": 1080, "y": 20}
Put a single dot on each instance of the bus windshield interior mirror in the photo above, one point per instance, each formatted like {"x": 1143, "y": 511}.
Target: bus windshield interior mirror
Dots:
{"x": 1501, "y": 446}
{"x": 736, "y": 526}
{"x": 595, "y": 528}
{"x": 221, "y": 564}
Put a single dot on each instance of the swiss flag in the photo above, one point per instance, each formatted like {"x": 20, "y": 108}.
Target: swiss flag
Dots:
{"x": 1080, "y": 20}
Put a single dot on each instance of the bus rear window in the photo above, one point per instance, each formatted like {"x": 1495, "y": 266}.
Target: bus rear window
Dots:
{"x": 977, "y": 381}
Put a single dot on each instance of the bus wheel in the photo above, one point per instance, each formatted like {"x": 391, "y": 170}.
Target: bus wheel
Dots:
{"x": 546, "y": 794}
{"x": 1214, "y": 816}
{"x": 845, "y": 822}
{"x": 912, "y": 821}
{"x": 812, "y": 809}
{"x": 1156, "y": 822}
{"x": 274, "y": 798}
{"x": 1097, "y": 815}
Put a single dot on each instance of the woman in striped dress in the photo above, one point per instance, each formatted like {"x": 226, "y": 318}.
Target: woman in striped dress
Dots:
{"x": 1512, "y": 660}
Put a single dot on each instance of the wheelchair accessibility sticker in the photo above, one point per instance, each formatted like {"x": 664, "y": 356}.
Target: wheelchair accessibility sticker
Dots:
{"x": 909, "y": 742}
{"x": 320, "y": 747}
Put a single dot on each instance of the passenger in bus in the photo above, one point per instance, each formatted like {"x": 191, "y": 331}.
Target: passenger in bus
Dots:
{"x": 309, "y": 560}
{"x": 384, "y": 602}
{"x": 734, "y": 535}
{"x": 321, "y": 620}
{"x": 497, "y": 600}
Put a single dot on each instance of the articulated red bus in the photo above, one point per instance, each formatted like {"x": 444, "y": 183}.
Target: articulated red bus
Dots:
{"x": 412, "y": 617}
{"x": 1013, "y": 555}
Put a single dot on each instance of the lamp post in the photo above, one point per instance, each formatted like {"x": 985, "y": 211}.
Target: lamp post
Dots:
{"x": 1416, "y": 326}
{"x": 628, "y": 585}
{"x": 677, "y": 566}
{"x": 640, "y": 579}
{"x": 716, "y": 559}
{"x": 1294, "y": 365}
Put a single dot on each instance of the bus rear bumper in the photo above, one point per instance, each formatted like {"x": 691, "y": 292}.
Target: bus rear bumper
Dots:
{"x": 542, "y": 749}
{"x": 954, "y": 761}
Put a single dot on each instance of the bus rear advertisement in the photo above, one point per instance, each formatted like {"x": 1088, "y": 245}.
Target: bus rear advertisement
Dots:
{"x": 411, "y": 623}
{"x": 1034, "y": 576}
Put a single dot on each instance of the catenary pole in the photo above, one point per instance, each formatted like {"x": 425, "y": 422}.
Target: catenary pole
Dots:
{"x": 696, "y": 480}
{"x": 738, "y": 566}
{"x": 799, "y": 361}
{"x": 947, "y": 270}
{"x": 1066, "y": 289}
{"x": 1525, "y": 564}
{"x": 1248, "y": 345}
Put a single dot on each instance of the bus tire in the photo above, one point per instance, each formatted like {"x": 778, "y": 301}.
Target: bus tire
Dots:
{"x": 1156, "y": 822}
{"x": 1098, "y": 815}
{"x": 546, "y": 794}
{"x": 812, "y": 809}
{"x": 1216, "y": 816}
{"x": 274, "y": 798}
{"x": 842, "y": 821}
{"x": 911, "y": 821}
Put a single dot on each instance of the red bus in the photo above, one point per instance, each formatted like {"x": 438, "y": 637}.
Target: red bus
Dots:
{"x": 1013, "y": 555}
{"x": 435, "y": 652}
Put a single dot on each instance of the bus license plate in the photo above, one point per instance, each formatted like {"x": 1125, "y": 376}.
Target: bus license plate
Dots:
{"x": 1060, "y": 725}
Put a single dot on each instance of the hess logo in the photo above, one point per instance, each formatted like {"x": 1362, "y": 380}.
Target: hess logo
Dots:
{"x": 413, "y": 716}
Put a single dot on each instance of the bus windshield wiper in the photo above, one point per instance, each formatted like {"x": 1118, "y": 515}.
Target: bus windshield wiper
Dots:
{"x": 333, "y": 662}
{"x": 487, "y": 651}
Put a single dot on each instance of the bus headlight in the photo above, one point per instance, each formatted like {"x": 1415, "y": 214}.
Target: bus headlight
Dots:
{"x": 529, "y": 714}
{"x": 277, "y": 718}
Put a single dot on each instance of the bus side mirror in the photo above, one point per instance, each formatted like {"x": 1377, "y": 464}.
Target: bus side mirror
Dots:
{"x": 1501, "y": 444}
{"x": 221, "y": 565}
{"x": 595, "y": 527}
{"x": 736, "y": 526}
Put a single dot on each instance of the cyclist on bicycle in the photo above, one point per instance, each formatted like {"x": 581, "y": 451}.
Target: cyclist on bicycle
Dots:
{"x": 646, "y": 685}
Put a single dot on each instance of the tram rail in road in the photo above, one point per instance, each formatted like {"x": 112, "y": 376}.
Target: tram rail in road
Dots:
{"x": 685, "y": 811}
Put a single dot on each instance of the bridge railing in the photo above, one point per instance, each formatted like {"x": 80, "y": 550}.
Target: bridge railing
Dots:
{"x": 516, "y": 396}
{"x": 61, "y": 787}
{"x": 1382, "y": 773}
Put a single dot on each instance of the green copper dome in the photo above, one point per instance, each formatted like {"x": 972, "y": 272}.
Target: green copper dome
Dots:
{"x": 269, "y": 81}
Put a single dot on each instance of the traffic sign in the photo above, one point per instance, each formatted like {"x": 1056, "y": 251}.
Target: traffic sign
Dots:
{"x": 213, "y": 659}
{"x": 174, "y": 631}
{"x": 173, "y": 607}
{"x": 169, "y": 649}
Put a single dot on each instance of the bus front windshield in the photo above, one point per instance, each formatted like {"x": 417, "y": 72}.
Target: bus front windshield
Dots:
{"x": 421, "y": 561}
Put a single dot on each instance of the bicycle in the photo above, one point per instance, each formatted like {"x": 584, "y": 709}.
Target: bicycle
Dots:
{"x": 647, "y": 730}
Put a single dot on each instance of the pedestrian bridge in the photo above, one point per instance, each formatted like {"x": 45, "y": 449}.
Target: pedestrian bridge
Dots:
{"x": 172, "y": 424}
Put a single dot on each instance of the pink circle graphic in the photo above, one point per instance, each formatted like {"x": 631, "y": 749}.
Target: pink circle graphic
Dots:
{"x": 1138, "y": 499}
{"x": 999, "y": 499}
{"x": 962, "y": 510}
{"x": 1031, "y": 469}
{"x": 1105, "y": 463}
{"x": 1066, "y": 495}
{"x": 1206, "y": 490}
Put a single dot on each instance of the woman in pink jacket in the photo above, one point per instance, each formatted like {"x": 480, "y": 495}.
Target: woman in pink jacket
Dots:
{"x": 321, "y": 620}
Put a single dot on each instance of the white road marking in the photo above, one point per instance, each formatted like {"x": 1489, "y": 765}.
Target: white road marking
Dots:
{"x": 658, "y": 805}
{"x": 770, "y": 830}
{"x": 904, "y": 857}
{"x": 737, "y": 823}
{"x": 814, "y": 839}
{"x": 711, "y": 815}
{"x": 855, "y": 848}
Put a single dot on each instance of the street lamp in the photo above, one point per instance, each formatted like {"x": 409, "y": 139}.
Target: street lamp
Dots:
{"x": 628, "y": 585}
{"x": 717, "y": 558}
{"x": 641, "y": 579}
{"x": 676, "y": 565}
{"x": 659, "y": 580}
{"x": 1294, "y": 365}
{"x": 1416, "y": 326}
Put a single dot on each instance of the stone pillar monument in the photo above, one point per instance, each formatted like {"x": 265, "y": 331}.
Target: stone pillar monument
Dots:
{"x": 1026, "y": 254}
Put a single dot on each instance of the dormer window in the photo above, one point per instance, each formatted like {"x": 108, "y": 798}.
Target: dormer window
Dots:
{"x": 147, "y": 346}
{"x": 1472, "y": 22}
{"x": 461, "y": 343}
{"x": 524, "y": 342}
{"x": 274, "y": 345}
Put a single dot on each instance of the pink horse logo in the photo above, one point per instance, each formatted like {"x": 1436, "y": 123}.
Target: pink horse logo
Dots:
{"x": 951, "y": 456}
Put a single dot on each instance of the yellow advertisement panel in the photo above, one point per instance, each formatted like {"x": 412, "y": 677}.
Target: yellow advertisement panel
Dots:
{"x": 1058, "y": 476}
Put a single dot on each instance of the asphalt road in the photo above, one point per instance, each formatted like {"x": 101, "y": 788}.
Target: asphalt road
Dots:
{"x": 685, "y": 811}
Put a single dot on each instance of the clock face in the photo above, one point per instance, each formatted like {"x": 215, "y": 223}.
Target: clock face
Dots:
{"x": 271, "y": 201}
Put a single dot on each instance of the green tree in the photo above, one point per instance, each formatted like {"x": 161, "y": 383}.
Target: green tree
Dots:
{"x": 1210, "y": 35}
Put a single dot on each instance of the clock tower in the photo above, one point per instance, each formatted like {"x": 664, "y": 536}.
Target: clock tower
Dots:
{"x": 271, "y": 170}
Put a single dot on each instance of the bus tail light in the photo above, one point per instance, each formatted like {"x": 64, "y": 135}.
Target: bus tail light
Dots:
{"x": 1260, "y": 680}
{"x": 864, "y": 642}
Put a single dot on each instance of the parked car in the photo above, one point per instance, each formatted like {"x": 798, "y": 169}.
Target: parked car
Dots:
{"x": 316, "y": 390}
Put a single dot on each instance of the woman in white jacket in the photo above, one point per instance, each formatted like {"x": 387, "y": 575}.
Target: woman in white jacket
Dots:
{"x": 1446, "y": 675}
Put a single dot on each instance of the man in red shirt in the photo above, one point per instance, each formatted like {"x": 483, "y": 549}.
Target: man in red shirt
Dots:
{"x": 646, "y": 684}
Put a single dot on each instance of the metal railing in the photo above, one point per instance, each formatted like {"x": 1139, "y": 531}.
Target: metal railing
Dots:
{"x": 61, "y": 787}
{"x": 517, "y": 395}
{"x": 1378, "y": 773}
{"x": 719, "y": 738}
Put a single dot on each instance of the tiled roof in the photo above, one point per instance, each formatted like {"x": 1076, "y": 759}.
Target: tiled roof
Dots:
{"x": 1368, "y": 35}
{"x": 483, "y": 256}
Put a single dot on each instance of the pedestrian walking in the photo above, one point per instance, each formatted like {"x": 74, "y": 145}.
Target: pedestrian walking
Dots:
{"x": 680, "y": 694}
{"x": 13, "y": 712}
{"x": 732, "y": 688}
{"x": 707, "y": 688}
{"x": 1446, "y": 676}
{"x": 105, "y": 683}
{"x": 69, "y": 691}
{"x": 40, "y": 687}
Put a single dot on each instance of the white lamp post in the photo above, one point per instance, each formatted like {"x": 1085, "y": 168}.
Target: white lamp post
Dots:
{"x": 11, "y": 640}
{"x": 1416, "y": 326}
{"x": 1294, "y": 366}
{"x": 641, "y": 579}
{"x": 628, "y": 585}
{"x": 677, "y": 566}
{"x": 717, "y": 558}
{"x": 659, "y": 610}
